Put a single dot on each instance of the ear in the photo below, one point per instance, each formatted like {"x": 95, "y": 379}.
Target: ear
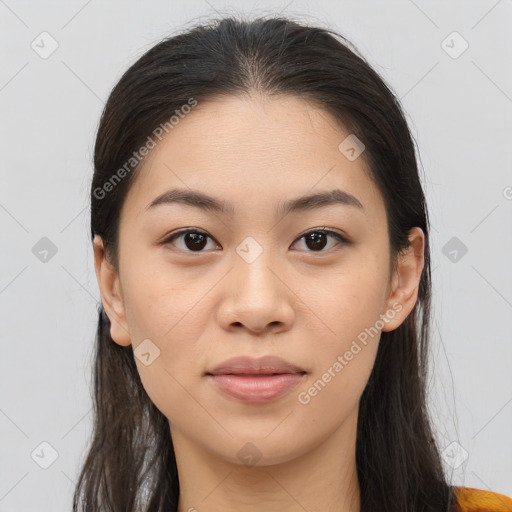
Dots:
{"x": 404, "y": 286}
{"x": 111, "y": 294}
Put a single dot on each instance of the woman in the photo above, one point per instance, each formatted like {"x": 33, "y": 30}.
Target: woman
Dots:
{"x": 261, "y": 245}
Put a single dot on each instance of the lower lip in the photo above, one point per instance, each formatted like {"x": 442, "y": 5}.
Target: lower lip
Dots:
{"x": 257, "y": 389}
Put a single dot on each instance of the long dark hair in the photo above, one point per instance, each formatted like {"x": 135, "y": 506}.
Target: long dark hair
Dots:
{"x": 130, "y": 464}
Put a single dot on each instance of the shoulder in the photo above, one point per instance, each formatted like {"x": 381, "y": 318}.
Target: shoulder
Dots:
{"x": 478, "y": 500}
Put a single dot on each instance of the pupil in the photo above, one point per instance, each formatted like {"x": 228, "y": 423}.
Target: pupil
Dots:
{"x": 313, "y": 237}
{"x": 198, "y": 240}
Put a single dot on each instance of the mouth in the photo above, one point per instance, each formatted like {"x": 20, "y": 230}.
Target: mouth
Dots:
{"x": 255, "y": 373}
{"x": 246, "y": 365}
{"x": 256, "y": 388}
{"x": 256, "y": 381}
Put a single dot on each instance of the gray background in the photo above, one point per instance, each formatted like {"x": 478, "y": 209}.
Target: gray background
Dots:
{"x": 459, "y": 106}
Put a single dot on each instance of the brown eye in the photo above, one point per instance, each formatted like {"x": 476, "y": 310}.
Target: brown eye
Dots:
{"x": 318, "y": 239}
{"x": 192, "y": 240}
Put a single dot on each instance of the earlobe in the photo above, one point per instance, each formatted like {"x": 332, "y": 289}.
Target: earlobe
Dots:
{"x": 111, "y": 294}
{"x": 406, "y": 280}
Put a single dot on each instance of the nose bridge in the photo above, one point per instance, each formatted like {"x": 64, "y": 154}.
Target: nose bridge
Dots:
{"x": 254, "y": 296}
{"x": 253, "y": 261}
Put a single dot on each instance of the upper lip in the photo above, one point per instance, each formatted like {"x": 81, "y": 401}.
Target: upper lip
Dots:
{"x": 251, "y": 366}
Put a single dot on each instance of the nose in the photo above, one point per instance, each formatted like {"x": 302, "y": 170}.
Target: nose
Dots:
{"x": 256, "y": 296}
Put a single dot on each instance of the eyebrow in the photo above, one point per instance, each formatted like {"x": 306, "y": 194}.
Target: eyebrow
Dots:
{"x": 208, "y": 203}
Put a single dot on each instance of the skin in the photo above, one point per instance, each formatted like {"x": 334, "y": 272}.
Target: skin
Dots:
{"x": 303, "y": 304}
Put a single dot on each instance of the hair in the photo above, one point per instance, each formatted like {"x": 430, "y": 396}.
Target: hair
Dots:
{"x": 130, "y": 463}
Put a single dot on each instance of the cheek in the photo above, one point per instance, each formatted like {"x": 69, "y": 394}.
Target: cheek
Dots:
{"x": 169, "y": 380}
{"x": 166, "y": 310}
{"x": 346, "y": 338}
{"x": 174, "y": 322}
{"x": 160, "y": 298}
{"x": 332, "y": 395}
{"x": 343, "y": 360}
{"x": 350, "y": 300}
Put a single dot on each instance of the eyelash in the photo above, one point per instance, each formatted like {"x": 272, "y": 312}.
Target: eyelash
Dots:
{"x": 343, "y": 240}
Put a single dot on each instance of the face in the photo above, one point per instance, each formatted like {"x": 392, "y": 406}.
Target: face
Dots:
{"x": 310, "y": 284}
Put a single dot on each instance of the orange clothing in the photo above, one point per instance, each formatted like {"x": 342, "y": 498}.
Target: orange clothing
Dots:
{"x": 478, "y": 500}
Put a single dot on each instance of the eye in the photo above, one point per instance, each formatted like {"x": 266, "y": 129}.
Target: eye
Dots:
{"x": 193, "y": 240}
{"x": 317, "y": 239}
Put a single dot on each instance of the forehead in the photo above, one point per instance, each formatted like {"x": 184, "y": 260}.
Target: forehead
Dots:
{"x": 254, "y": 153}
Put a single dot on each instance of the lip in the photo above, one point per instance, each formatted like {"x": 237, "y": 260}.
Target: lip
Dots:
{"x": 256, "y": 380}
{"x": 245, "y": 365}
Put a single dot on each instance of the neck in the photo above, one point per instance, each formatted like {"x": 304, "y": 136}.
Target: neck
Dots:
{"x": 322, "y": 478}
